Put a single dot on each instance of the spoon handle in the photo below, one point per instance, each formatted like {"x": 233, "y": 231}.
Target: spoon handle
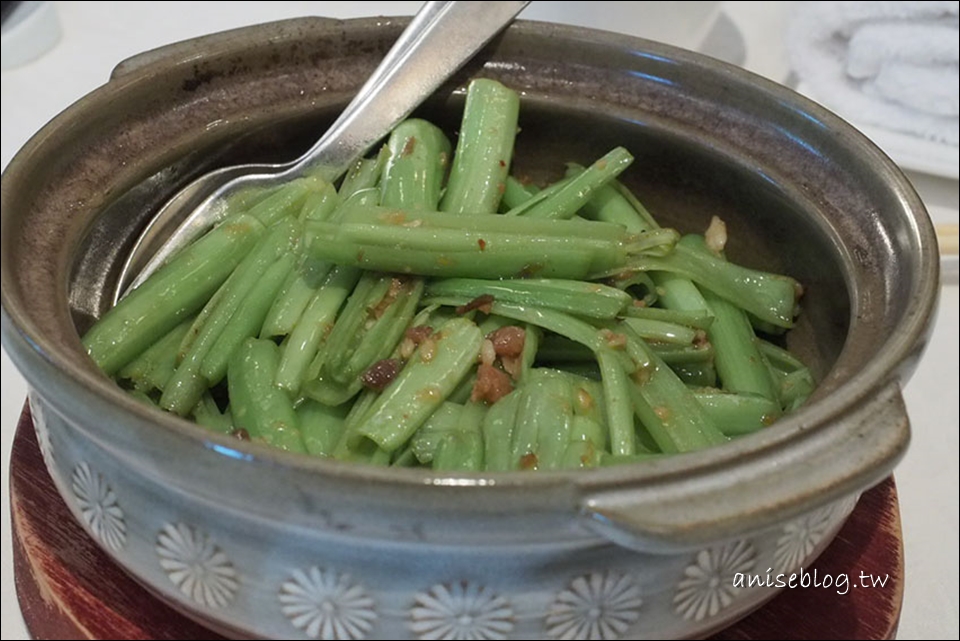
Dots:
{"x": 451, "y": 33}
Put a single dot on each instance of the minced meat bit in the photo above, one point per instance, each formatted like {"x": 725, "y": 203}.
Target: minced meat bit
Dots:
{"x": 529, "y": 461}
{"x": 381, "y": 374}
{"x": 508, "y": 341}
{"x": 492, "y": 384}
{"x": 419, "y": 333}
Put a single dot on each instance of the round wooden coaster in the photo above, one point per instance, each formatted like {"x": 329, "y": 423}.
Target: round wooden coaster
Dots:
{"x": 69, "y": 589}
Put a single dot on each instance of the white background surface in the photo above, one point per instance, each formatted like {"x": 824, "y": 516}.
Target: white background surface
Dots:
{"x": 97, "y": 35}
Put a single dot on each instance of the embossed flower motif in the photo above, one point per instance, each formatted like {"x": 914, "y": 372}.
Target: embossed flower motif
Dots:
{"x": 801, "y": 537}
{"x": 196, "y": 565}
{"x": 707, "y": 585}
{"x": 99, "y": 507}
{"x": 327, "y": 605}
{"x": 460, "y": 611}
{"x": 599, "y": 605}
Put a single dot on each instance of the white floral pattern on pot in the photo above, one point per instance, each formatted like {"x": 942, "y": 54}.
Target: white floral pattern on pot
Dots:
{"x": 707, "y": 585}
{"x": 599, "y": 605}
{"x": 327, "y": 605}
{"x": 99, "y": 507}
{"x": 196, "y": 565}
{"x": 461, "y": 610}
{"x": 801, "y": 537}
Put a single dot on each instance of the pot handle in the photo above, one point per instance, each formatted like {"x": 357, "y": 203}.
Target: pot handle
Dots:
{"x": 824, "y": 465}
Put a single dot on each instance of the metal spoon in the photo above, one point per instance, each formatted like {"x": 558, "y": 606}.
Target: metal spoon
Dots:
{"x": 438, "y": 41}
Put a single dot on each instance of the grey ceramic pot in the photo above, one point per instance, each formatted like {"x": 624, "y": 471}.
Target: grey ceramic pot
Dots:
{"x": 261, "y": 543}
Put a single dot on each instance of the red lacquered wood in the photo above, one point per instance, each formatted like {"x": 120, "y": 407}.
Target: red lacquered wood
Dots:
{"x": 70, "y": 589}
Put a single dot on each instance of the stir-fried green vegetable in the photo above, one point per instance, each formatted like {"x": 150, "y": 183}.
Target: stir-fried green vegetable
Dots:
{"x": 436, "y": 311}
